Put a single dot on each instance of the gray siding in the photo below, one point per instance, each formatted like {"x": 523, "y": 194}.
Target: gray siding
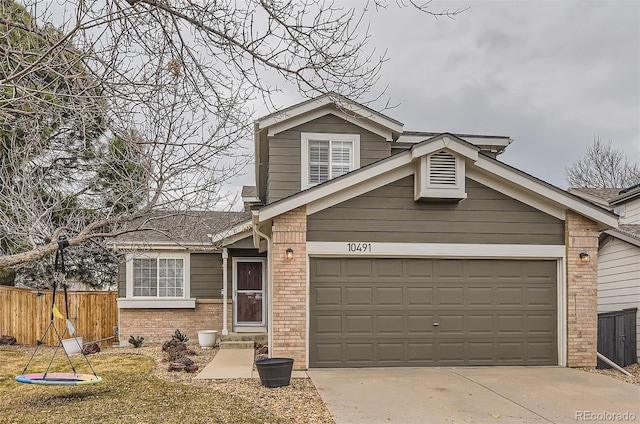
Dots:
{"x": 619, "y": 278}
{"x": 206, "y": 275}
{"x": 389, "y": 214}
{"x": 284, "y": 167}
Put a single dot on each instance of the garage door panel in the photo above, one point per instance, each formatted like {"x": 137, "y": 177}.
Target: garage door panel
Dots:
{"x": 419, "y": 296}
{"x": 389, "y": 296}
{"x": 359, "y": 324}
{"x": 480, "y": 296}
{"x": 420, "y": 352}
{"x": 359, "y": 353}
{"x": 390, "y": 324}
{"x": 381, "y": 312}
{"x": 327, "y": 325}
{"x": 358, "y": 296}
{"x": 447, "y": 296}
{"x": 420, "y": 325}
{"x": 391, "y": 352}
{"x": 328, "y": 296}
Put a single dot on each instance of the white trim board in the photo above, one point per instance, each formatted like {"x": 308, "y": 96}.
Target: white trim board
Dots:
{"x": 439, "y": 250}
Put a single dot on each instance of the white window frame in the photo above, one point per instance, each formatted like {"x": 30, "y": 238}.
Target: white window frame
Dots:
{"x": 354, "y": 139}
{"x": 158, "y": 301}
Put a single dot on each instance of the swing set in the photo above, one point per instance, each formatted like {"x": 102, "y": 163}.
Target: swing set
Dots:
{"x": 59, "y": 378}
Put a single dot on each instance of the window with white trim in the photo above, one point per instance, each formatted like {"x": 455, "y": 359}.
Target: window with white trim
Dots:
{"x": 327, "y": 156}
{"x": 158, "y": 277}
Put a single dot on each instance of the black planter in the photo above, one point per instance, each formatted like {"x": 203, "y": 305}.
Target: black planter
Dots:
{"x": 275, "y": 372}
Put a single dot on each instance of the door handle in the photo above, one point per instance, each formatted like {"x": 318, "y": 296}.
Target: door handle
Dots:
{"x": 435, "y": 324}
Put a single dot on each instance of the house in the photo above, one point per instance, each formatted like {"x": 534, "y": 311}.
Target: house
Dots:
{"x": 368, "y": 245}
{"x": 619, "y": 255}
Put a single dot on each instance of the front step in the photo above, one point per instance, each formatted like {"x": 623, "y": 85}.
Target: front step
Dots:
{"x": 237, "y": 345}
{"x": 242, "y": 340}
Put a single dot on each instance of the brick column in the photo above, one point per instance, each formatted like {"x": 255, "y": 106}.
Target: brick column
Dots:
{"x": 290, "y": 287}
{"x": 581, "y": 235}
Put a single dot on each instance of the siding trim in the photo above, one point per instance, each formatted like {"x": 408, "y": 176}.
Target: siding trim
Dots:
{"x": 449, "y": 250}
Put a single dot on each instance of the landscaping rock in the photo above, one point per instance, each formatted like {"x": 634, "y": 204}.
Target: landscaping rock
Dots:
{"x": 191, "y": 368}
{"x": 90, "y": 348}
{"x": 7, "y": 340}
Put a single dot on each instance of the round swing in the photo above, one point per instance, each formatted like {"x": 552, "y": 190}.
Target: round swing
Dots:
{"x": 59, "y": 378}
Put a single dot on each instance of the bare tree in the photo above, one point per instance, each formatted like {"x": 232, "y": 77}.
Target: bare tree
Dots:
{"x": 111, "y": 110}
{"x": 602, "y": 167}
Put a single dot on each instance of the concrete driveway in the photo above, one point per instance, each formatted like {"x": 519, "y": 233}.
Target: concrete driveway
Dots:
{"x": 475, "y": 395}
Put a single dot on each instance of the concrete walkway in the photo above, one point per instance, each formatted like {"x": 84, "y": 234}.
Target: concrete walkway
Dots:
{"x": 235, "y": 363}
{"x": 501, "y": 395}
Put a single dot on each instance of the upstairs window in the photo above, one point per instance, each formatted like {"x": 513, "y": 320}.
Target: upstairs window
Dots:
{"x": 327, "y": 156}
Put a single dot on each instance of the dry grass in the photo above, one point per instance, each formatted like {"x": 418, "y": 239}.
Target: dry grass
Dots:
{"x": 137, "y": 388}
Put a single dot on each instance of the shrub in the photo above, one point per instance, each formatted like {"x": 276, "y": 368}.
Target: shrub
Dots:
{"x": 136, "y": 341}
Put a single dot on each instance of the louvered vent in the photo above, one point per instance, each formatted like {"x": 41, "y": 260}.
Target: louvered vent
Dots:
{"x": 442, "y": 169}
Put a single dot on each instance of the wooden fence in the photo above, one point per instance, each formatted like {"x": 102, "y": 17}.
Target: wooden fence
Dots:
{"x": 26, "y": 313}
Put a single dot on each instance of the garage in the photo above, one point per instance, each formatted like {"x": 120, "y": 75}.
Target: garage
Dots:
{"x": 396, "y": 312}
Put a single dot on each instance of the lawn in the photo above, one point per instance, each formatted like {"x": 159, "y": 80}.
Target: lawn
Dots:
{"x": 129, "y": 392}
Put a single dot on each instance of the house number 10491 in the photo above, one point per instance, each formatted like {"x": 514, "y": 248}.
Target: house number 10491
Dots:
{"x": 359, "y": 247}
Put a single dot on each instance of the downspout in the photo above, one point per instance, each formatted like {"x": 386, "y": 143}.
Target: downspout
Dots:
{"x": 613, "y": 364}
{"x": 225, "y": 277}
{"x": 254, "y": 223}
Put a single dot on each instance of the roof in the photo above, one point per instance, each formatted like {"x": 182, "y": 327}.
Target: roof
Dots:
{"x": 629, "y": 193}
{"x": 186, "y": 228}
{"x": 629, "y": 233}
{"x": 605, "y": 194}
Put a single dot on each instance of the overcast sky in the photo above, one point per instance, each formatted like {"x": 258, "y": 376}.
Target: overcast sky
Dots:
{"x": 551, "y": 75}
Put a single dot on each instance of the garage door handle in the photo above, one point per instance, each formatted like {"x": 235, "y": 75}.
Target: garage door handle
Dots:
{"x": 435, "y": 324}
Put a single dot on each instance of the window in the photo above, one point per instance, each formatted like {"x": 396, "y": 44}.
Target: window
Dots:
{"x": 152, "y": 280}
{"x": 158, "y": 277}
{"x": 327, "y": 156}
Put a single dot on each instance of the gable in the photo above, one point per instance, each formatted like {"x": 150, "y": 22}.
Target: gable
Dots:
{"x": 285, "y": 153}
{"x": 478, "y": 167}
{"x": 390, "y": 214}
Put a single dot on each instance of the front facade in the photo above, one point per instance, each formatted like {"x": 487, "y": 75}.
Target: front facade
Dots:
{"x": 371, "y": 246}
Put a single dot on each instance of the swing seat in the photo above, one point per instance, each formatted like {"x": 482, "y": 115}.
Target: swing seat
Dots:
{"x": 59, "y": 379}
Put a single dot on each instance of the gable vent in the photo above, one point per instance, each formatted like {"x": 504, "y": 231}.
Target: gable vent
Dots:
{"x": 442, "y": 169}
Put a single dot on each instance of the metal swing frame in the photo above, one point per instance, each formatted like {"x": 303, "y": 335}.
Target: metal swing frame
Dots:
{"x": 59, "y": 378}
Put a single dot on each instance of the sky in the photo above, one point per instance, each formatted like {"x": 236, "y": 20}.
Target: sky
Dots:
{"x": 552, "y": 75}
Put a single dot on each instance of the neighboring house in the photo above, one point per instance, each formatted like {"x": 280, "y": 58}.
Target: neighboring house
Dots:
{"x": 619, "y": 252}
{"x": 372, "y": 246}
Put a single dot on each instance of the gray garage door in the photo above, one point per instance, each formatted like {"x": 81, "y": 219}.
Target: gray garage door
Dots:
{"x": 421, "y": 312}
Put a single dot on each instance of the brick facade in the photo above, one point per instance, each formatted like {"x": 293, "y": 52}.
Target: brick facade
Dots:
{"x": 290, "y": 287}
{"x": 158, "y": 325}
{"x": 582, "y": 291}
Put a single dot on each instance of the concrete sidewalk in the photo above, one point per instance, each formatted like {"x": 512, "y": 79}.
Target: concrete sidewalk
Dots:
{"x": 235, "y": 363}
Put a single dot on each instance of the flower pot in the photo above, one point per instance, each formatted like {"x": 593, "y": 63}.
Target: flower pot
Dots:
{"x": 207, "y": 338}
{"x": 72, "y": 346}
{"x": 275, "y": 372}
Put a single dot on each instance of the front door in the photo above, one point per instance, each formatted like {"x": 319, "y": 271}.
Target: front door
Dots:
{"x": 249, "y": 300}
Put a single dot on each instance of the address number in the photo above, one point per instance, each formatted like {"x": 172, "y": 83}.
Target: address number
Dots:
{"x": 359, "y": 247}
